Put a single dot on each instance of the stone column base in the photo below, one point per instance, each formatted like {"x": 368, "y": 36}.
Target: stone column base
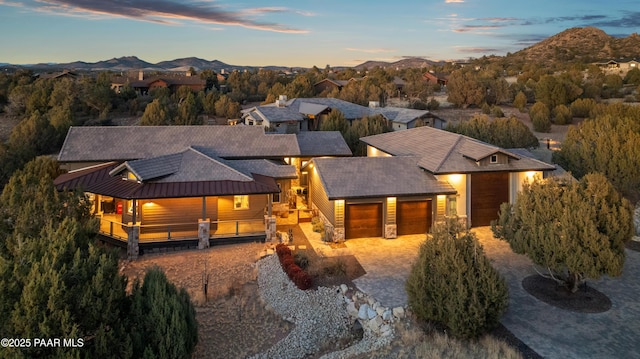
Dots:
{"x": 390, "y": 231}
{"x": 204, "y": 231}
{"x": 270, "y": 227}
{"x": 338, "y": 235}
{"x": 133, "y": 240}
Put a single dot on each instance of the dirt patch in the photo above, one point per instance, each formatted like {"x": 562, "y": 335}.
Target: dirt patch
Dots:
{"x": 585, "y": 300}
{"x": 232, "y": 321}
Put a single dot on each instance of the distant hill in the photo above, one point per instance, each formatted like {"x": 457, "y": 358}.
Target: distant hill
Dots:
{"x": 588, "y": 44}
{"x": 411, "y": 62}
{"x": 128, "y": 63}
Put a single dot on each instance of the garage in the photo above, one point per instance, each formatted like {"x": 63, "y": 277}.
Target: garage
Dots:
{"x": 488, "y": 192}
{"x": 363, "y": 220}
{"x": 414, "y": 217}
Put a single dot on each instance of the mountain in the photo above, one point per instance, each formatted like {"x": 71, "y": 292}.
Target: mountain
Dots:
{"x": 588, "y": 44}
{"x": 128, "y": 63}
{"x": 410, "y": 62}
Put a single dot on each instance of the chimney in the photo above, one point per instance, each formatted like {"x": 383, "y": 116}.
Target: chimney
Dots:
{"x": 281, "y": 101}
{"x": 140, "y": 75}
{"x": 374, "y": 104}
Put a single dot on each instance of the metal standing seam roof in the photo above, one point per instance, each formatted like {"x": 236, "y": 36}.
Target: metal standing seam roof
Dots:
{"x": 98, "y": 180}
{"x": 443, "y": 152}
{"x": 369, "y": 177}
{"x": 121, "y": 143}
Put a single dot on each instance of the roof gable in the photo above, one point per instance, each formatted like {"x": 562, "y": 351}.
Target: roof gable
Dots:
{"x": 443, "y": 152}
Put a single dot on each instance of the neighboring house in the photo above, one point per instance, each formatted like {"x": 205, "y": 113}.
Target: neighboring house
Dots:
{"x": 60, "y": 75}
{"x": 187, "y": 185}
{"x": 303, "y": 114}
{"x": 434, "y": 78}
{"x": 143, "y": 85}
{"x": 413, "y": 178}
{"x": 329, "y": 85}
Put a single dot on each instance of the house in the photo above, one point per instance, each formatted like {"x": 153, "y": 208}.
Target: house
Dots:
{"x": 434, "y": 78}
{"x": 305, "y": 114}
{"x": 186, "y": 186}
{"x": 173, "y": 82}
{"x": 65, "y": 74}
{"x": 329, "y": 85}
{"x": 413, "y": 178}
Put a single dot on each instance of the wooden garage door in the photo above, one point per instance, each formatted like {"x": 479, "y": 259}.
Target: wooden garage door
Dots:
{"x": 363, "y": 220}
{"x": 488, "y": 192}
{"x": 413, "y": 217}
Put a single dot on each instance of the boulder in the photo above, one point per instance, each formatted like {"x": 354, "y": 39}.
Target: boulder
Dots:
{"x": 363, "y": 311}
{"x": 398, "y": 312}
{"x": 344, "y": 288}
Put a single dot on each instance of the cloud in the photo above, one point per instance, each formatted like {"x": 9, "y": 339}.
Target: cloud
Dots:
{"x": 477, "y": 50}
{"x": 629, "y": 19}
{"x": 453, "y": 1}
{"x": 370, "y": 51}
{"x": 475, "y": 28}
{"x": 164, "y": 11}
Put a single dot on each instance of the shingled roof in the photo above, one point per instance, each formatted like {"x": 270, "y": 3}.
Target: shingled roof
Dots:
{"x": 322, "y": 143}
{"x": 121, "y": 143}
{"x": 442, "y": 152}
{"x": 366, "y": 177}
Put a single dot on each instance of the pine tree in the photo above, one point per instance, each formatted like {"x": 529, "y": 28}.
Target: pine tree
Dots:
{"x": 164, "y": 324}
{"x": 575, "y": 230}
{"x": 453, "y": 283}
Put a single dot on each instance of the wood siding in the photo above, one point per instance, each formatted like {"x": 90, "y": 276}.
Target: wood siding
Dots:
{"x": 257, "y": 206}
{"x": 320, "y": 199}
{"x": 488, "y": 192}
{"x": 183, "y": 211}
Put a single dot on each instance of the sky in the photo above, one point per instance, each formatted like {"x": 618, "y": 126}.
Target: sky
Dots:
{"x": 302, "y": 33}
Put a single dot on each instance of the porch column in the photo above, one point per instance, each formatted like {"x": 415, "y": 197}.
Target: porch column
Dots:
{"x": 133, "y": 240}
{"x": 204, "y": 207}
{"x": 270, "y": 220}
{"x": 204, "y": 226}
{"x": 391, "y": 226}
{"x": 135, "y": 212}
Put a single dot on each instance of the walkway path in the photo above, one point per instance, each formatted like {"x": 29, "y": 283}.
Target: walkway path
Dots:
{"x": 549, "y": 331}
{"x": 557, "y": 333}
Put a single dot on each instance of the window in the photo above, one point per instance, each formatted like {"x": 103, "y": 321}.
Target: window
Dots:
{"x": 241, "y": 202}
{"x": 494, "y": 159}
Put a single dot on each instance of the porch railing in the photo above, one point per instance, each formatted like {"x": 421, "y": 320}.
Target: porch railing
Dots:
{"x": 181, "y": 231}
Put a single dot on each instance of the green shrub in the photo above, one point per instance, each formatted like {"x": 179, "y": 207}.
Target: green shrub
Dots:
{"x": 541, "y": 117}
{"x": 562, "y": 115}
{"x": 301, "y": 259}
{"x": 496, "y": 111}
{"x": 520, "y": 101}
{"x": 318, "y": 227}
{"x": 453, "y": 283}
{"x": 582, "y": 107}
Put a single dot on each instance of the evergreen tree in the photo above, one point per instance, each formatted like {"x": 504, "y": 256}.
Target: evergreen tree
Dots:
{"x": 609, "y": 145}
{"x": 576, "y": 230}
{"x": 520, "y": 101}
{"x": 453, "y": 283}
{"x": 501, "y": 132}
{"x": 562, "y": 115}
{"x": 163, "y": 317}
{"x": 464, "y": 89}
{"x": 541, "y": 117}
{"x": 335, "y": 122}
{"x": 157, "y": 113}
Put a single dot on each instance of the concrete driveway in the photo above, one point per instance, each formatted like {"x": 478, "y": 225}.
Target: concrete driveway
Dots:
{"x": 549, "y": 331}
{"x": 557, "y": 333}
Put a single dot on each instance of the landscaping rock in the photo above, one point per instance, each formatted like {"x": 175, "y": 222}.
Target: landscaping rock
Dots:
{"x": 363, "y": 312}
{"x": 398, "y": 312}
{"x": 344, "y": 288}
